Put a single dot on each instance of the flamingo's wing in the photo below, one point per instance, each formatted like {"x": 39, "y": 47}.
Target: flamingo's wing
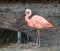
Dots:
{"x": 45, "y": 22}
{"x": 41, "y": 21}
{"x": 36, "y": 23}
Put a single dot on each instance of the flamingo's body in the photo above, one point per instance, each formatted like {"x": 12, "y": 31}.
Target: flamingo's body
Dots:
{"x": 36, "y": 21}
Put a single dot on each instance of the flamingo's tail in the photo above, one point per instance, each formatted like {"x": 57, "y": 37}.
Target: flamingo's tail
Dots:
{"x": 49, "y": 25}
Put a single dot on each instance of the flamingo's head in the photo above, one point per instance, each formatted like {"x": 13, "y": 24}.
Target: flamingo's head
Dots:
{"x": 28, "y": 11}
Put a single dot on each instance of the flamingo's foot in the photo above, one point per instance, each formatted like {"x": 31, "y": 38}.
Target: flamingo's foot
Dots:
{"x": 37, "y": 46}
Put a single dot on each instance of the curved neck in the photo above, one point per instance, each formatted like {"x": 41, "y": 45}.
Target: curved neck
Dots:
{"x": 27, "y": 16}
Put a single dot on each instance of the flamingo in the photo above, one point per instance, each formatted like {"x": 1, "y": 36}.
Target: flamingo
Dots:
{"x": 37, "y": 22}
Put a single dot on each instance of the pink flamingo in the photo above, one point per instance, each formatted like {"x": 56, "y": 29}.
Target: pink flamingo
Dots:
{"x": 37, "y": 22}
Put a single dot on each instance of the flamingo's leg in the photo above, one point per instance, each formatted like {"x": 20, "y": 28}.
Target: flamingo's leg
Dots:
{"x": 38, "y": 37}
{"x": 38, "y": 40}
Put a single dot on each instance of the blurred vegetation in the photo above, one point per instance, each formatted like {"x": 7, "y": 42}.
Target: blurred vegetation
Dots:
{"x": 30, "y": 1}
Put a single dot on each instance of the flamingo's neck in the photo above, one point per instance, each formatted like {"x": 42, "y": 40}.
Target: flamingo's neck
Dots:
{"x": 28, "y": 21}
{"x": 27, "y": 16}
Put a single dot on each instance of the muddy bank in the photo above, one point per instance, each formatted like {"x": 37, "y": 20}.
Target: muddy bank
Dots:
{"x": 29, "y": 47}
